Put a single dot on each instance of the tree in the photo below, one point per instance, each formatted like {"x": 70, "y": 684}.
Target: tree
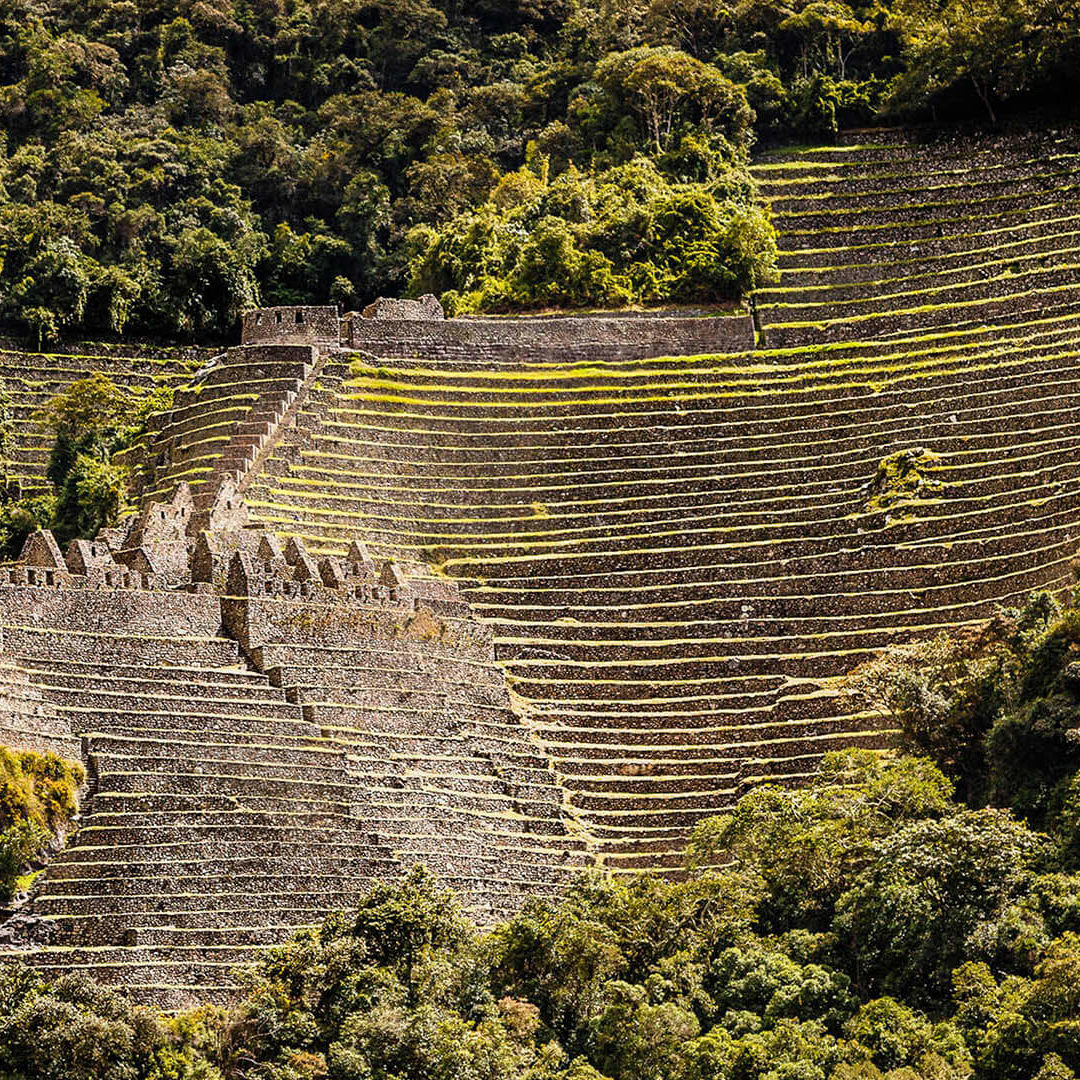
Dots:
{"x": 696, "y": 26}
{"x": 897, "y": 1037}
{"x": 669, "y": 89}
{"x": 90, "y": 421}
{"x": 89, "y": 412}
{"x": 829, "y": 26}
{"x": 931, "y": 891}
{"x": 809, "y": 846}
{"x": 946, "y": 694}
{"x": 90, "y": 497}
{"x": 72, "y": 1030}
{"x": 1022, "y": 1027}
{"x": 635, "y": 1039}
{"x": 980, "y": 42}
{"x": 214, "y": 281}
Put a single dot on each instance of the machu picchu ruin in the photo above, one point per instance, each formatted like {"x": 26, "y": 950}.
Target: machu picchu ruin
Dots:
{"x": 516, "y": 596}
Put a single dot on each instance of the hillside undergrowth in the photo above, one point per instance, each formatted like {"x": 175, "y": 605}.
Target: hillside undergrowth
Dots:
{"x": 171, "y": 163}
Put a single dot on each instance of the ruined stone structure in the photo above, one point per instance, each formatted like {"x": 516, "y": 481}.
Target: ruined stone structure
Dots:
{"x": 266, "y": 732}
{"x": 513, "y": 596}
{"x": 402, "y": 328}
{"x": 426, "y": 309}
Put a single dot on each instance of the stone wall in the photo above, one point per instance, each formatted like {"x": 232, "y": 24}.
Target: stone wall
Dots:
{"x": 26, "y": 720}
{"x": 94, "y": 610}
{"x": 403, "y": 328}
{"x": 220, "y": 424}
{"x": 297, "y": 324}
{"x": 427, "y": 307}
{"x": 257, "y": 622}
{"x": 610, "y": 337}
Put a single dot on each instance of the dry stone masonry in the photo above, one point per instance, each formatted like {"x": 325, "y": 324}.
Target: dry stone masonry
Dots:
{"x": 514, "y": 596}
{"x": 30, "y": 379}
{"x": 396, "y": 328}
{"x": 266, "y": 732}
{"x": 680, "y": 557}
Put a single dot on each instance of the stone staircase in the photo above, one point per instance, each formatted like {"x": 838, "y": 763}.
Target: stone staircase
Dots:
{"x": 224, "y": 425}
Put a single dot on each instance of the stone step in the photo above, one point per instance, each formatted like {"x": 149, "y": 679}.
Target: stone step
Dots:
{"x": 215, "y": 767}
{"x": 221, "y": 723}
{"x": 25, "y": 641}
{"x": 147, "y": 748}
{"x": 80, "y": 703}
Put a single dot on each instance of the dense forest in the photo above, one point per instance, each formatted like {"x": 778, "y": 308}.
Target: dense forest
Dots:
{"x": 169, "y": 163}
{"x": 903, "y": 916}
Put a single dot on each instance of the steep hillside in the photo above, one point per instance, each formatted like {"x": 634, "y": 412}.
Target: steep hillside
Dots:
{"x": 890, "y": 234}
{"x": 678, "y": 556}
{"x": 670, "y": 562}
{"x": 29, "y": 379}
{"x": 259, "y": 750}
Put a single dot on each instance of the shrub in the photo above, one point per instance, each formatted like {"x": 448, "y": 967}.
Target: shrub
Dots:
{"x": 607, "y": 238}
{"x": 37, "y": 803}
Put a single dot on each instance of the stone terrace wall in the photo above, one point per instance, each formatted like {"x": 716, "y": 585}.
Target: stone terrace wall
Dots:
{"x": 354, "y": 723}
{"x": 256, "y": 622}
{"x": 676, "y": 559}
{"x": 386, "y": 330}
{"x": 32, "y": 378}
{"x": 134, "y": 612}
{"x": 220, "y": 425}
{"x": 878, "y": 239}
{"x": 593, "y": 337}
{"x": 27, "y": 722}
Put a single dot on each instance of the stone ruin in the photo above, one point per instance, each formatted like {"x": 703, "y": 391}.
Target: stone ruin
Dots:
{"x": 168, "y": 546}
{"x": 323, "y": 325}
{"x": 281, "y": 727}
{"x": 425, "y": 309}
{"x": 397, "y": 327}
{"x": 664, "y": 535}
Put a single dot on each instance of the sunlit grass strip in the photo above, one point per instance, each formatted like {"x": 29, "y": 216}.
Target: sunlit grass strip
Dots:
{"x": 869, "y": 285}
{"x": 959, "y": 256}
{"x": 876, "y": 378}
{"x": 481, "y": 541}
{"x": 977, "y": 180}
{"x": 1040, "y": 221}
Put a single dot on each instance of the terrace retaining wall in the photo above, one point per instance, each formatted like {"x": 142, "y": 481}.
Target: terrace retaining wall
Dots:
{"x": 126, "y": 611}
{"x": 593, "y": 337}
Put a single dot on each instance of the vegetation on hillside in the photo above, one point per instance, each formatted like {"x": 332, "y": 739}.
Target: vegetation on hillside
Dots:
{"x": 168, "y": 163}
{"x": 869, "y": 925}
{"x": 997, "y": 706}
{"x": 37, "y": 804}
{"x": 90, "y": 422}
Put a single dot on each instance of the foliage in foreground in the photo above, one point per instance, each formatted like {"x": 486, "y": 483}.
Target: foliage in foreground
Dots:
{"x": 867, "y": 926}
{"x": 997, "y": 707}
{"x": 37, "y": 804}
{"x": 90, "y": 422}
